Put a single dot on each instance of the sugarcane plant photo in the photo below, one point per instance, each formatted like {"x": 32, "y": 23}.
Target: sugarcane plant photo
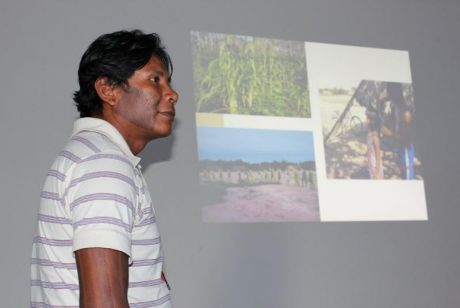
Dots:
{"x": 236, "y": 74}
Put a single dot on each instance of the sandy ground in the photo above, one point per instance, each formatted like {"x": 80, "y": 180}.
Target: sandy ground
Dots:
{"x": 348, "y": 159}
{"x": 265, "y": 203}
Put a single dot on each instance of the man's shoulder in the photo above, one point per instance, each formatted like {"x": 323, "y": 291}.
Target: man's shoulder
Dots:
{"x": 91, "y": 151}
{"x": 89, "y": 145}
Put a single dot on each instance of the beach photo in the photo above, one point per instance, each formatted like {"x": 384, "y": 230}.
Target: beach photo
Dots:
{"x": 257, "y": 175}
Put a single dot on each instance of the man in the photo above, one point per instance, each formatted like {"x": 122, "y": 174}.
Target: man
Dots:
{"x": 97, "y": 242}
{"x": 402, "y": 111}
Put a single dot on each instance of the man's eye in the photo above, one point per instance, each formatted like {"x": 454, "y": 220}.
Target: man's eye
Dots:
{"x": 155, "y": 79}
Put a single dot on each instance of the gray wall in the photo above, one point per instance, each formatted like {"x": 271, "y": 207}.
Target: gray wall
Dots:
{"x": 359, "y": 265}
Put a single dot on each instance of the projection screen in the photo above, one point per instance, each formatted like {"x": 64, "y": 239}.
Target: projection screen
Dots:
{"x": 300, "y": 131}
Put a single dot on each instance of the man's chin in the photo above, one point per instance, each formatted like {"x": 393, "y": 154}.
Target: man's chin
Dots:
{"x": 163, "y": 133}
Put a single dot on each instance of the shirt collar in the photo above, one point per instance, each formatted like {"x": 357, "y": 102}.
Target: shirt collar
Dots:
{"x": 105, "y": 128}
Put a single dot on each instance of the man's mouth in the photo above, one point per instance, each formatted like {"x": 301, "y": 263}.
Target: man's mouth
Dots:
{"x": 168, "y": 114}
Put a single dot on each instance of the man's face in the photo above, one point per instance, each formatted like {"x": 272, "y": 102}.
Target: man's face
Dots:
{"x": 147, "y": 103}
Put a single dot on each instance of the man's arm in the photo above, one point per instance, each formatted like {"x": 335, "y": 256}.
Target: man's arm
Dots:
{"x": 103, "y": 277}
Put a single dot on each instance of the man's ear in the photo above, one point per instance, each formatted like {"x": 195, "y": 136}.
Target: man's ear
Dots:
{"x": 109, "y": 93}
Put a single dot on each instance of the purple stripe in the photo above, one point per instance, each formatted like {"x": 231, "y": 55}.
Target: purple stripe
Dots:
{"x": 153, "y": 241}
{"x": 45, "y": 305}
{"x": 46, "y": 262}
{"x": 157, "y": 302}
{"x": 146, "y": 222}
{"x": 52, "y": 242}
{"x": 103, "y": 174}
{"x": 102, "y": 220}
{"x": 57, "y": 174}
{"x": 50, "y": 195}
{"x": 147, "y": 262}
{"x": 86, "y": 142}
{"x": 110, "y": 156}
{"x": 54, "y": 285}
{"x": 70, "y": 155}
{"x": 147, "y": 210}
{"x": 141, "y": 212}
{"x": 102, "y": 196}
{"x": 54, "y": 219}
{"x": 147, "y": 283}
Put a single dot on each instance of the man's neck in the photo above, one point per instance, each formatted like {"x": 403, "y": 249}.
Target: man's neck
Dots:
{"x": 136, "y": 143}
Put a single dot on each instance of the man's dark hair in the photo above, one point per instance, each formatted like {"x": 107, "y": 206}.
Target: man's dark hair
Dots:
{"x": 115, "y": 56}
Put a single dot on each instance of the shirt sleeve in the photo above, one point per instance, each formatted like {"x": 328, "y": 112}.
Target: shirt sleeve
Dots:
{"x": 101, "y": 197}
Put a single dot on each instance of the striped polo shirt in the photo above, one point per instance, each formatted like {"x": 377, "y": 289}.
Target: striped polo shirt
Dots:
{"x": 95, "y": 196}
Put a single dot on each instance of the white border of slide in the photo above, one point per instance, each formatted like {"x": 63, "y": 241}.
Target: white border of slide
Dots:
{"x": 267, "y": 122}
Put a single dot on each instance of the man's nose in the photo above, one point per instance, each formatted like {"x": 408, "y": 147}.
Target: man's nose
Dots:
{"x": 172, "y": 95}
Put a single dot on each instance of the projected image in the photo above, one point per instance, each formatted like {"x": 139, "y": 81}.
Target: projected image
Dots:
{"x": 246, "y": 75}
{"x": 368, "y": 131}
{"x": 257, "y": 175}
